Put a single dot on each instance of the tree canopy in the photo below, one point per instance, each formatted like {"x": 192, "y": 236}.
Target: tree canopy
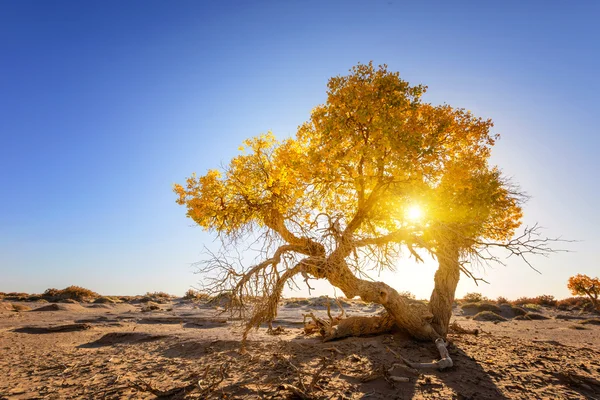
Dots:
{"x": 333, "y": 200}
{"x": 583, "y": 285}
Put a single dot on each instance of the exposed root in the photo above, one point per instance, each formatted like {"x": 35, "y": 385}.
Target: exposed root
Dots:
{"x": 324, "y": 327}
{"x": 444, "y": 362}
{"x": 360, "y": 326}
{"x": 456, "y": 328}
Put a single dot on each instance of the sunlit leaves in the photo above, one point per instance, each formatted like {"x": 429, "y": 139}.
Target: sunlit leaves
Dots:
{"x": 373, "y": 149}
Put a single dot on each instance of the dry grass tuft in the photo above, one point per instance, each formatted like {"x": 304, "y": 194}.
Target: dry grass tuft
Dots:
{"x": 195, "y": 295}
{"x": 72, "y": 292}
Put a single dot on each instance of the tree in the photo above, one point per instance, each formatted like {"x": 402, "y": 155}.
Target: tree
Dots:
{"x": 333, "y": 202}
{"x": 583, "y": 285}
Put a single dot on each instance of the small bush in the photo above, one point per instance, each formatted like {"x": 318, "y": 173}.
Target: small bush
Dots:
{"x": 162, "y": 295}
{"x": 473, "y": 298}
{"x": 195, "y": 295}
{"x": 543, "y": 300}
{"x": 76, "y": 293}
{"x": 502, "y": 300}
{"x": 51, "y": 292}
{"x": 407, "y": 294}
{"x": 574, "y": 303}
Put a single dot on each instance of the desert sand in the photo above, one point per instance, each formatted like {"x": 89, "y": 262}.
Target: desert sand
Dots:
{"x": 192, "y": 350}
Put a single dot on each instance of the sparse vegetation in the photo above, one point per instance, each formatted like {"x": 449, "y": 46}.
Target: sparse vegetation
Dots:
{"x": 473, "y": 298}
{"x": 502, "y": 300}
{"x": 195, "y": 295}
{"x": 574, "y": 303}
{"x": 543, "y": 300}
{"x": 76, "y": 293}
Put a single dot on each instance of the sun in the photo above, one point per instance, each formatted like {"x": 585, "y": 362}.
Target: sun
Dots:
{"x": 414, "y": 213}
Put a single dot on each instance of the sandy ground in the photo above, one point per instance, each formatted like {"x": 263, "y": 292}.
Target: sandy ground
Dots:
{"x": 192, "y": 352}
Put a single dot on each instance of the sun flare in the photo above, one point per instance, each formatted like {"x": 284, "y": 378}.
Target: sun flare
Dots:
{"x": 414, "y": 213}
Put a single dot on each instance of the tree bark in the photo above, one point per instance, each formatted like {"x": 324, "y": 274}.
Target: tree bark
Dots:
{"x": 446, "y": 280}
{"x": 412, "y": 317}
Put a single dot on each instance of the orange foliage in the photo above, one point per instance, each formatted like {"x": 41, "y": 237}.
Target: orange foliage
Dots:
{"x": 373, "y": 149}
{"x": 583, "y": 285}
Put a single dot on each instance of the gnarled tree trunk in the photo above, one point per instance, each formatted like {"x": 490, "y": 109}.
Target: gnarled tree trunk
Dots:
{"x": 446, "y": 280}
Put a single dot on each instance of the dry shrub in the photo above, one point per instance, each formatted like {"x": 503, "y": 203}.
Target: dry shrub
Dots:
{"x": 488, "y": 316}
{"x": 473, "y": 298}
{"x": 295, "y": 302}
{"x": 195, "y": 295}
{"x": 574, "y": 303}
{"x": 502, "y": 300}
{"x": 408, "y": 295}
{"x": 162, "y": 295}
{"x": 16, "y": 296}
{"x": 226, "y": 300}
{"x": 72, "y": 292}
{"x": 156, "y": 297}
{"x": 546, "y": 300}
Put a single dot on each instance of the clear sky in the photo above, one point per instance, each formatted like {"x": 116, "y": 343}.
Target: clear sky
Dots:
{"x": 105, "y": 104}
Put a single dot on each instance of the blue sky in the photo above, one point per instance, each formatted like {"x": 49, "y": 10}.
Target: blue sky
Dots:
{"x": 105, "y": 104}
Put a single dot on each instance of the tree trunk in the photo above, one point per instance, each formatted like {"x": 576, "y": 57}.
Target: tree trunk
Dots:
{"x": 413, "y": 317}
{"x": 446, "y": 280}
